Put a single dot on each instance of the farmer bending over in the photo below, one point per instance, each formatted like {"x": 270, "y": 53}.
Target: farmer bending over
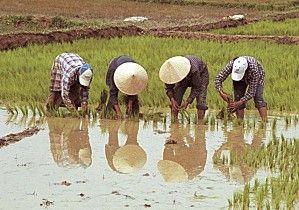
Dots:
{"x": 178, "y": 73}
{"x": 246, "y": 72}
{"x": 130, "y": 78}
{"x": 70, "y": 80}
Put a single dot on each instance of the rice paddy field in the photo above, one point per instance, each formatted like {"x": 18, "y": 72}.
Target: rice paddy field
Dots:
{"x": 34, "y": 63}
{"x": 148, "y": 161}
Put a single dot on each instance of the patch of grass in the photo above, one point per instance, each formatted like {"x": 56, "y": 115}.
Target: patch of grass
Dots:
{"x": 286, "y": 28}
{"x": 25, "y": 72}
{"x": 280, "y": 156}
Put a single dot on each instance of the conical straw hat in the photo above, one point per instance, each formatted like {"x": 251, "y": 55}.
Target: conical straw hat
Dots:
{"x": 129, "y": 159}
{"x": 130, "y": 78}
{"x": 174, "y": 69}
{"x": 172, "y": 171}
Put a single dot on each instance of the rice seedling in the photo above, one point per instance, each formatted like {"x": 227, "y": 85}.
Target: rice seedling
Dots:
{"x": 268, "y": 27}
{"x": 38, "y": 59}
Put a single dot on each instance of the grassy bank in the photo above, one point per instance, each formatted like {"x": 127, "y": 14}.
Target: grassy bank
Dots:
{"x": 25, "y": 72}
{"x": 285, "y": 28}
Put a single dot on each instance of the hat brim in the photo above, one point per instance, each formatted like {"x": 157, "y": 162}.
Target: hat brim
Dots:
{"x": 84, "y": 82}
{"x": 174, "y": 70}
{"x": 172, "y": 171}
{"x": 130, "y": 78}
{"x": 129, "y": 159}
{"x": 237, "y": 77}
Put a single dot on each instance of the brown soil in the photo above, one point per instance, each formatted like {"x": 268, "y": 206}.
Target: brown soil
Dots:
{"x": 15, "y": 137}
{"x": 12, "y": 41}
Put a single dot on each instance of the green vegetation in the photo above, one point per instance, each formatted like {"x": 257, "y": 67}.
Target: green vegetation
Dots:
{"x": 280, "y": 156}
{"x": 30, "y": 23}
{"x": 286, "y": 28}
{"x": 25, "y": 72}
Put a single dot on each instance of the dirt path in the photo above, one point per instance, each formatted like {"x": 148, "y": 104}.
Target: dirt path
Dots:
{"x": 15, "y": 137}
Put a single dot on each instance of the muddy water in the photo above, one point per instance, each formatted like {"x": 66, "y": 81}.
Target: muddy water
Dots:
{"x": 127, "y": 164}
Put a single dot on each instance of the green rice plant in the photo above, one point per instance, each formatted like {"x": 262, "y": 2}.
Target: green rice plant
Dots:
{"x": 9, "y": 109}
{"x": 274, "y": 124}
{"x": 32, "y": 108}
{"x": 24, "y": 110}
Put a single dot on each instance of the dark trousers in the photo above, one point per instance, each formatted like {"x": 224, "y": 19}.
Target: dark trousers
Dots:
{"x": 179, "y": 91}
{"x": 55, "y": 101}
{"x": 240, "y": 88}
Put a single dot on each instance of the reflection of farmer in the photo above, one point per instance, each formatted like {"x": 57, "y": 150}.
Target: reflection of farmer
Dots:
{"x": 128, "y": 158}
{"x": 70, "y": 142}
{"x": 184, "y": 157}
{"x": 70, "y": 80}
{"x": 235, "y": 146}
{"x": 246, "y": 72}
{"x": 179, "y": 73}
{"x": 130, "y": 78}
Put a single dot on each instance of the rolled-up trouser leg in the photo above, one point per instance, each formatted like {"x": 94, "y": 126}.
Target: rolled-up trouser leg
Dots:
{"x": 75, "y": 95}
{"x": 258, "y": 98}
{"x": 135, "y": 103}
{"x": 239, "y": 91}
{"x": 201, "y": 99}
{"x": 54, "y": 100}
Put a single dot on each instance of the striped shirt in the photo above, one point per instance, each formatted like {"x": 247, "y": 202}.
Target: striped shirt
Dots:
{"x": 197, "y": 79}
{"x": 253, "y": 76}
{"x": 64, "y": 74}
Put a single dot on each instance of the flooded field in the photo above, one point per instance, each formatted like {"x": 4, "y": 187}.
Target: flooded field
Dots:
{"x": 72, "y": 163}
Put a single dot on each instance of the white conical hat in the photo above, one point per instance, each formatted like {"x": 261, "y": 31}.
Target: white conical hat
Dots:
{"x": 130, "y": 78}
{"x": 174, "y": 69}
{"x": 172, "y": 171}
{"x": 129, "y": 159}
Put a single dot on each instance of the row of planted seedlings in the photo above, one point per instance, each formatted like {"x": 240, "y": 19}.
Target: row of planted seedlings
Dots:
{"x": 281, "y": 189}
{"x": 223, "y": 118}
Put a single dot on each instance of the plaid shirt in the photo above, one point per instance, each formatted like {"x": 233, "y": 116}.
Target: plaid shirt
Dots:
{"x": 64, "y": 75}
{"x": 253, "y": 76}
{"x": 197, "y": 79}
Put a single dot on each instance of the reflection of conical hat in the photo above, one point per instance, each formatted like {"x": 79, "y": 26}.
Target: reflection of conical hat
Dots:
{"x": 130, "y": 78}
{"x": 172, "y": 171}
{"x": 129, "y": 159}
{"x": 174, "y": 69}
{"x": 85, "y": 157}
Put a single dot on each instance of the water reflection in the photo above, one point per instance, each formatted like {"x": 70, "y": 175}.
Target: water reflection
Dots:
{"x": 184, "y": 157}
{"x": 69, "y": 142}
{"x": 235, "y": 145}
{"x": 127, "y": 158}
